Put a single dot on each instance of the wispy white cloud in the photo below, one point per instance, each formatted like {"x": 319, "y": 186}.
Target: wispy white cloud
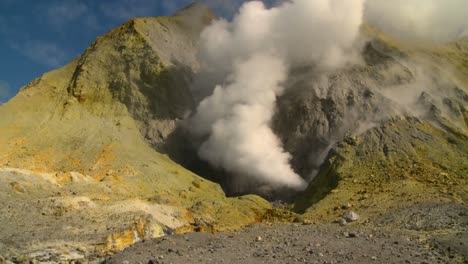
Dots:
{"x": 42, "y": 52}
{"x": 91, "y": 21}
{"x": 66, "y": 12}
{"x": 126, "y": 9}
{"x": 222, "y": 7}
{"x": 4, "y": 91}
{"x": 3, "y": 25}
{"x": 62, "y": 14}
{"x": 172, "y": 6}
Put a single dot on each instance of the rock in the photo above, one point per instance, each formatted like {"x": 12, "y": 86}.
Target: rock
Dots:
{"x": 258, "y": 239}
{"x": 298, "y": 219}
{"x": 342, "y": 222}
{"x": 346, "y": 206}
{"x": 17, "y": 187}
{"x": 351, "y": 216}
{"x": 196, "y": 184}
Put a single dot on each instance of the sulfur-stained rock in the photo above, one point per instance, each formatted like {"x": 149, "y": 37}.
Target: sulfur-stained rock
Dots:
{"x": 17, "y": 187}
{"x": 81, "y": 145}
{"x": 350, "y": 216}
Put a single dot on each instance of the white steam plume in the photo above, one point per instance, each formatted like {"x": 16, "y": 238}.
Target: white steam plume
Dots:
{"x": 420, "y": 20}
{"x": 252, "y": 56}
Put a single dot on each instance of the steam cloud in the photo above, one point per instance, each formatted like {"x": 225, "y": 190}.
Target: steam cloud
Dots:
{"x": 420, "y": 20}
{"x": 246, "y": 62}
{"x": 251, "y": 57}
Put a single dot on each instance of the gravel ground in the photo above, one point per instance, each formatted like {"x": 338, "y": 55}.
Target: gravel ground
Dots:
{"x": 295, "y": 243}
{"x": 428, "y": 217}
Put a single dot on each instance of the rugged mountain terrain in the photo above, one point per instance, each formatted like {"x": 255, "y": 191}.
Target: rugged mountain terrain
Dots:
{"x": 394, "y": 128}
{"x": 78, "y": 171}
{"x": 82, "y": 174}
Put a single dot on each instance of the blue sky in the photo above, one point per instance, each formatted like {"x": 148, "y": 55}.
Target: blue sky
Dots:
{"x": 40, "y": 35}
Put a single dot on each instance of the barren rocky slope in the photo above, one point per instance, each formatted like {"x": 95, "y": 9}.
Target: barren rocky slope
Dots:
{"x": 294, "y": 243}
{"x": 82, "y": 174}
{"x": 79, "y": 177}
{"x": 387, "y": 135}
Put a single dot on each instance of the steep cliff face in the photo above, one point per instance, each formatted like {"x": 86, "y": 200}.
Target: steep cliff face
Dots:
{"x": 146, "y": 64}
{"x": 78, "y": 163}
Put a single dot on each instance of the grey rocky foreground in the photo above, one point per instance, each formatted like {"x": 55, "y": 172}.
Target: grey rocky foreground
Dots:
{"x": 294, "y": 243}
